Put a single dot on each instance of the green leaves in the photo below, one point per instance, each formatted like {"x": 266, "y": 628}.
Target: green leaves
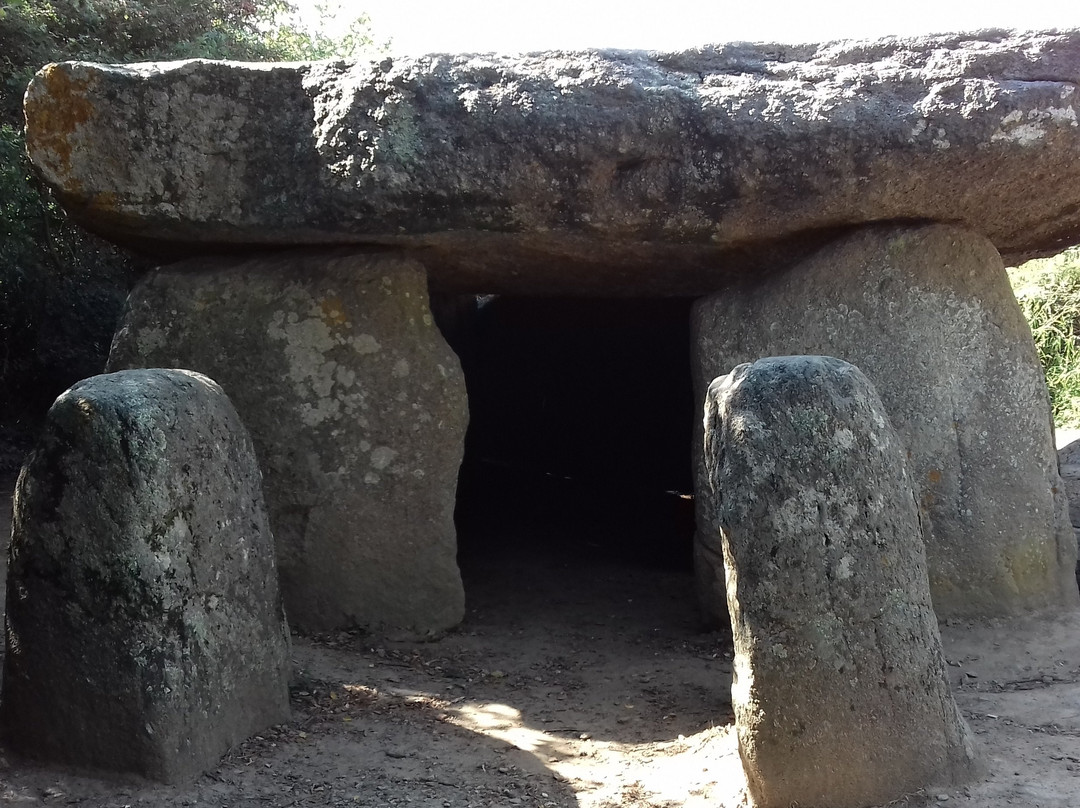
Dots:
{"x": 17, "y": 197}
{"x": 10, "y": 5}
{"x": 335, "y": 32}
{"x": 142, "y": 30}
{"x": 1049, "y": 294}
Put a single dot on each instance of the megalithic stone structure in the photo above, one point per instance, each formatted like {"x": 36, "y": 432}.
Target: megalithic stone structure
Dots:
{"x": 604, "y": 172}
{"x": 357, "y": 409}
{"x": 926, "y": 312}
{"x": 840, "y": 693}
{"x": 727, "y": 172}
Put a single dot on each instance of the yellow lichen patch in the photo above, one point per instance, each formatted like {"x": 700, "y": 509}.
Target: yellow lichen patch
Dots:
{"x": 1030, "y": 565}
{"x": 943, "y": 589}
{"x": 105, "y": 200}
{"x": 56, "y": 106}
{"x": 934, "y": 476}
{"x": 333, "y": 310}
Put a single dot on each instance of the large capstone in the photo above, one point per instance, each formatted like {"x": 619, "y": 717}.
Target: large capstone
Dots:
{"x": 145, "y": 632}
{"x": 358, "y": 411}
{"x": 927, "y": 313}
{"x": 840, "y": 693}
{"x": 630, "y": 171}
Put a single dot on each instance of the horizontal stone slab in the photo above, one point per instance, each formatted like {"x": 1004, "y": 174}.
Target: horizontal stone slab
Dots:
{"x": 604, "y": 171}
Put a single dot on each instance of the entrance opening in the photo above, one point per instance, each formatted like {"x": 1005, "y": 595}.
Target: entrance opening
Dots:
{"x": 578, "y": 454}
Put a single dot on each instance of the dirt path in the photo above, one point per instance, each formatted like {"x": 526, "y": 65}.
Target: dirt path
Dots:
{"x": 588, "y": 685}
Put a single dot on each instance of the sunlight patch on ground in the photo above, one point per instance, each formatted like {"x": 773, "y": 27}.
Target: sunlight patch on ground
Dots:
{"x": 696, "y": 771}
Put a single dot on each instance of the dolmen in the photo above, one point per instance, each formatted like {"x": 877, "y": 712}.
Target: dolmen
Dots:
{"x": 852, "y": 199}
{"x": 145, "y": 630}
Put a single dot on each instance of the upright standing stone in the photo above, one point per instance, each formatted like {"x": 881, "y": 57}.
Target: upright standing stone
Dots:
{"x": 145, "y": 632}
{"x": 927, "y": 313}
{"x": 1069, "y": 466}
{"x": 358, "y": 411}
{"x": 840, "y": 692}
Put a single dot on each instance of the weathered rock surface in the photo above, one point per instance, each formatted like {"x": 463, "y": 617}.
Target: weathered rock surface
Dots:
{"x": 145, "y": 632}
{"x": 629, "y": 171}
{"x": 1069, "y": 466}
{"x": 928, "y": 315}
{"x": 840, "y": 693}
{"x": 1070, "y": 475}
{"x": 357, "y": 408}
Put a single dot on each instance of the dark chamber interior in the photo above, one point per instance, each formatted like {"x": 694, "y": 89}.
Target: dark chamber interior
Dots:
{"x": 581, "y": 414}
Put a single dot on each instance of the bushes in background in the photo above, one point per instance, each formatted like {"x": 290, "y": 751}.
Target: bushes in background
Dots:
{"x": 61, "y": 291}
{"x": 1049, "y": 293}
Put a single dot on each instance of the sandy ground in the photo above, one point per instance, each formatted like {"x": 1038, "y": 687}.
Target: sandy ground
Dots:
{"x": 582, "y": 684}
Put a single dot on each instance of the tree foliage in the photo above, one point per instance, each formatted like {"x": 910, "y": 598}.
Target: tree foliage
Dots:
{"x": 1049, "y": 293}
{"x": 61, "y": 289}
{"x": 289, "y": 37}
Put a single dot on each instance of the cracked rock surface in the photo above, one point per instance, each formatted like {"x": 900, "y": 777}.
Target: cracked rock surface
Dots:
{"x": 357, "y": 410}
{"x": 927, "y": 313}
{"x": 145, "y": 633}
{"x": 634, "y": 172}
{"x": 840, "y": 692}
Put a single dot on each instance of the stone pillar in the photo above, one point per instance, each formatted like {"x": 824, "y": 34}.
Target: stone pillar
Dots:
{"x": 840, "y": 692}
{"x": 927, "y": 313}
{"x": 145, "y": 632}
{"x": 357, "y": 408}
{"x": 1069, "y": 467}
